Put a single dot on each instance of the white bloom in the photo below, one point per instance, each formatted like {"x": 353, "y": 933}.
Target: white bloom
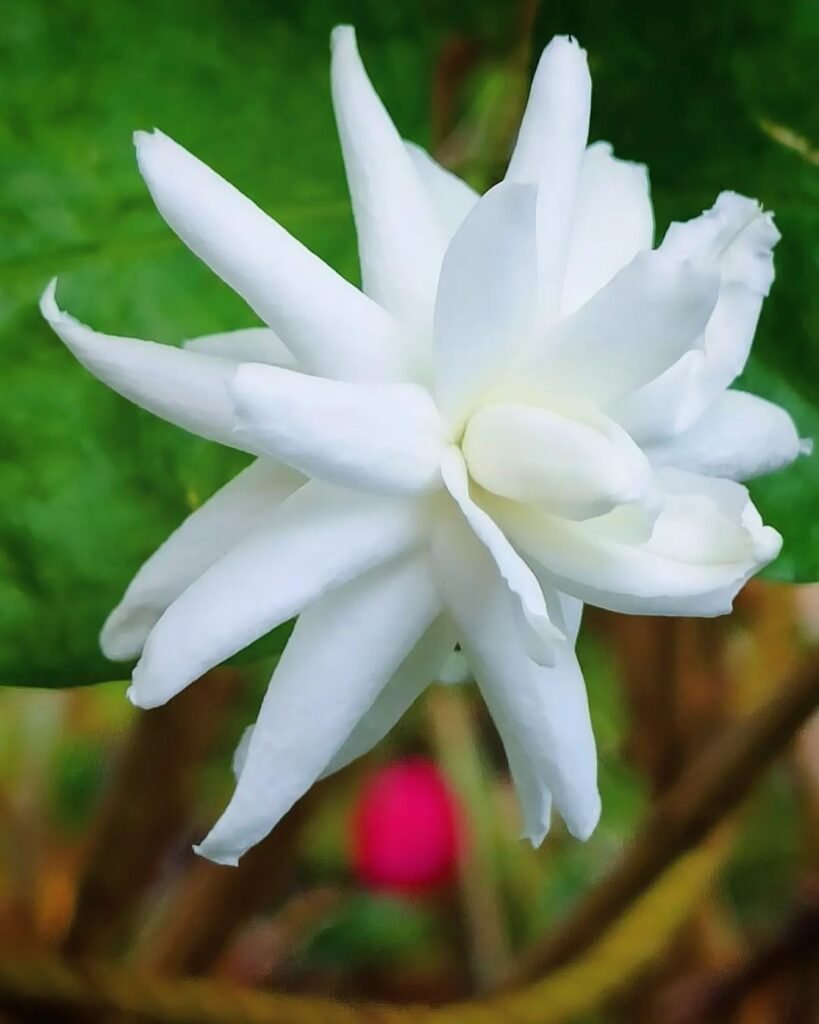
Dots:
{"x": 525, "y": 408}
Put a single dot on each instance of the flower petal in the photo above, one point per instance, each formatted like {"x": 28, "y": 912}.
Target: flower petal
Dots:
{"x": 569, "y": 467}
{"x": 705, "y": 544}
{"x": 486, "y": 297}
{"x": 613, "y": 221}
{"x": 451, "y": 197}
{"x": 542, "y": 713}
{"x": 549, "y": 152}
{"x": 400, "y": 242}
{"x": 739, "y": 437}
{"x": 737, "y": 238}
{"x": 188, "y": 389}
{"x": 316, "y": 540}
{"x": 203, "y": 538}
{"x": 420, "y": 668}
{"x": 330, "y": 327}
{"x": 337, "y": 661}
{"x": 383, "y": 438}
{"x": 565, "y": 611}
{"x": 540, "y": 637}
{"x": 251, "y": 345}
{"x": 639, "y": 324}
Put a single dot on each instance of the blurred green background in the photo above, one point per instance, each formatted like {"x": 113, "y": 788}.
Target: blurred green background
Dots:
{"x": 711, "y": 96}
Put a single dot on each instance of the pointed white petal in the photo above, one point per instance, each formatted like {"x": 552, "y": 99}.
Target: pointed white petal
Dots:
{"x": 639, "y": 324}
{"x": 187, "y": 389}
{"x": 251, "y": 345}
{"x": 384, "y": 438}
{"x": 541, "y": 638}
{"x": 549, "y": 152}
{"x": 342, "y": 652}
{"x": 739, "y": 437}
{"x": 400, "y": 242}
{"x": 705, "y": 544}
{"x": 564, "y": 465}
{"x": 531, "y": 782}
{"x": 330, "y": 327}
{"x": 451, "y": 197}
{"x": 486, "y": 297}
{"x": 203, "y": 538}
{"x": 316, "y": 540}
{"x": 613, "y": 221}
{"x": 737, "y": 238}
{"x": 418, "y": 670}
{"x": 542, "y": 713}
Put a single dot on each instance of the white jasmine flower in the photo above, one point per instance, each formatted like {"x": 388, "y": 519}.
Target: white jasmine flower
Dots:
{"x": 522, "y": 409}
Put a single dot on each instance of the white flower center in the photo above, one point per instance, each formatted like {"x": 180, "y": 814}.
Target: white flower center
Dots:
{"x": 577, "y": 466}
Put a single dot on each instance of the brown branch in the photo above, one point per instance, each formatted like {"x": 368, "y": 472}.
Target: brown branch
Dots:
{"x": 715, "y": 998}
{"x": 138, "y": 818}
{"x": 714, "y": 784}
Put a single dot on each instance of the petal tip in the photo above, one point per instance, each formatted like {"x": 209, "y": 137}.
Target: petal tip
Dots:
{"x": 48, "y": 301}
{"x": 565, "y": 42}
{"x": 343, "y": 36}
{"x": 583, "y": 826}
{"x": 226, "y": 860}
{"x": 119, "y": 640}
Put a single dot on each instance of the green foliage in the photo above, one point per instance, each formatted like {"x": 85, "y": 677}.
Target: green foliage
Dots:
{"x": 369, "y": 930}
{"x": 91, "y": 485}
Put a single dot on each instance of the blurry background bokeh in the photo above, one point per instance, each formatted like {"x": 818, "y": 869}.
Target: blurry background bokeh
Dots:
{"x": 99, "y": 805}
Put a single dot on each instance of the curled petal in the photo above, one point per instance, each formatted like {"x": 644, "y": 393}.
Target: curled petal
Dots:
{"x": 540, "y": 637}
{"x": 704, "y": 545}
{"x": 737, "y": 239}
{"x": 541, "y": 713}
{"x": 337, "y": 662}
{"x": 613, "y": 221}
{"x": 316, "y": 540}
{"x": 188, "y": 389}
{"x": 330, "y": 327}
{"x": 202, "y": 539}
{"x": 549, "y": 153}
{"x": 739, "y": 437}
{"x": 384, "y": 438}
{"x": 400, "y": 241}
{"x": 572, "y": 468}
